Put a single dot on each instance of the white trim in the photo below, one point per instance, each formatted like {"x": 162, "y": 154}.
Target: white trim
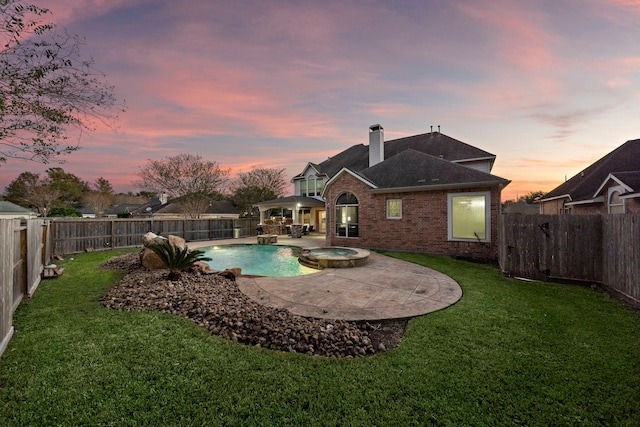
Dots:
{"x": 619, "y": 189}
{"x": 487, "y": 217}
{"x": 477, "y": 159}
{"x": 616, "y": 179}
{"x": 568, "y": 196}
{"x": 456, "y": 186}
{"x": 630, "y": 196}
{"x": 342, "y": 171}
{"x": 599, "y": 199}
{"x": 387, "y": 208}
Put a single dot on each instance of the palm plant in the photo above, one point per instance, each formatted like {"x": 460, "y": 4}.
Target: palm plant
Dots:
{"x": 176, "y": 259}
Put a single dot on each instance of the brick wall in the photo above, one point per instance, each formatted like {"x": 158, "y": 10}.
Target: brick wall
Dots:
{"x": 423, "y": 227}
{"x": 632, "y": 206}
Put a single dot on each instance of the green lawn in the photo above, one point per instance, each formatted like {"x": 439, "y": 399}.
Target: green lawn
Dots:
{"x": 508, "y": 353}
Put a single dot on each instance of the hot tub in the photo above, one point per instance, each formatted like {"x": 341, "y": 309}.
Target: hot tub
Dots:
{"x": 333, "y": 257}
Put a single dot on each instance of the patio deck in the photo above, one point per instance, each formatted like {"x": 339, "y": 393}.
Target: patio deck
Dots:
{"x": 385, "y": 288}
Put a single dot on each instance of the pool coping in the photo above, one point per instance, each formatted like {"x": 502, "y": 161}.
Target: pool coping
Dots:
{"x": 384, "y": 288}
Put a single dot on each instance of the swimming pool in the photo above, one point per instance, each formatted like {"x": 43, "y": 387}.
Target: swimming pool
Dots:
{"x": 258, "y": 260}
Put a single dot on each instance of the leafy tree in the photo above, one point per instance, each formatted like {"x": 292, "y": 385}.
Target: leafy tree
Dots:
{"x": 58, "y": 188}
{"x": 65, "y": 211}
{"x": 532, "y": 196}
{"x": 69, "y": 185}
{"x": 103, "y": 185}
{"x": 176, "y": 259}
{"x": 32, "y": 191}
{"x": 245, "y": 197}
{"x": 187, "y": 177}
{"x": 47, "y": 89}
{"x": 257, "y": 185}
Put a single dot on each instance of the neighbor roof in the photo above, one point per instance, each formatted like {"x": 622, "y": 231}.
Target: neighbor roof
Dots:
{"x": 583, "y": 185}
{"x": 10, "y": 207}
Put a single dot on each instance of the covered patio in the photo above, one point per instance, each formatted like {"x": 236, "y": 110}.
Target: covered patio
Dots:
{"x": 278, "y": 214}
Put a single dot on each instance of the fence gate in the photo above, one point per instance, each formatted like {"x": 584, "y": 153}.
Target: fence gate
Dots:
{"x": 545, "y": 247}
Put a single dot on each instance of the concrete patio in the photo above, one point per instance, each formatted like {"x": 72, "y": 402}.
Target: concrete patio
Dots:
{"x": 386, "y": 288}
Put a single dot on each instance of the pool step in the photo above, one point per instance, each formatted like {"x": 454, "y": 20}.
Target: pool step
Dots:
{"x": 308, "y": 262}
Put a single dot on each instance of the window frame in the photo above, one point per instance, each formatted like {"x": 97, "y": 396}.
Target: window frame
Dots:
{"x": 389, "y": 216}
{"x": 487, "y": 216}
{"x": 613, "y": 191}
{"x": 348, "y": 224}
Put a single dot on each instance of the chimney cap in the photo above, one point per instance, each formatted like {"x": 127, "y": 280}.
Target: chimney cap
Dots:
{"x": 375, "y": 127}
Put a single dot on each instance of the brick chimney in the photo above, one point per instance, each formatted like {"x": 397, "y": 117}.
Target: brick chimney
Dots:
{"x": 376, "y": 144}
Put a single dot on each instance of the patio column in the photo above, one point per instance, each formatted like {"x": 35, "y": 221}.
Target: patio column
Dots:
{"x": 296, "y": 214}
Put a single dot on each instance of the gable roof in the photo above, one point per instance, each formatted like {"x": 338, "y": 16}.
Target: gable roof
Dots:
{"x": 123, "y": 207}
{"x": 583, "y": 186}
{"x": 10, "y": 207}
{"x": 411, "y": 168}
{"x": 306, "y": 202}
{"x": 436, "y": 144}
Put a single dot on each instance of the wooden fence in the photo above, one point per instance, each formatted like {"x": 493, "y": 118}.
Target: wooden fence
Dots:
{"x": 24, "y": 250}
{"x": 73, "y": 236}
{"x": 584, "y": 248}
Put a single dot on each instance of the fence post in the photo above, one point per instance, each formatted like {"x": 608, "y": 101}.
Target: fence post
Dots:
{"x": 7, "y": 227}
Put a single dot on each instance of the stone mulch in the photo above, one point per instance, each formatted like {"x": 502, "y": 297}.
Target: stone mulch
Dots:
{"x": 215, "y": 303}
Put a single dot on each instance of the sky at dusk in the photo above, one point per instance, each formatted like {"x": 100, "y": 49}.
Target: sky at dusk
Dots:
{"x": 549, "y": 86}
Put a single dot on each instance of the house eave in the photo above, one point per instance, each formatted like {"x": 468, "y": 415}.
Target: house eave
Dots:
{"x": 438, "y": 187}
{"x": 630, "y": 196}
{"x": 599, "y": 199}
{"x": 477, "y": 159}
{"x": 563, "y": 196}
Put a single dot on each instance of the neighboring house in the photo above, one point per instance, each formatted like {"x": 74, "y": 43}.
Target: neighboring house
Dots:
{"x": 215, "y": 209}
{"x": 162, "y": 207}
{"x": 86, "y": 212}
{"x": 151, "y": 207}
{"x": 610, "y": 185}
{"x": 124, "y": 208}
{"x": 427, "y": 193}
{"x": 9, "y": 210}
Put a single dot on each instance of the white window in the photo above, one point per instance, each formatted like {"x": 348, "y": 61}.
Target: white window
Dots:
{"x": 616, "y": 204}
{"x": 347, "y": 215}
{"x": 394, "y": 208}
{"x": 470, "y": 216}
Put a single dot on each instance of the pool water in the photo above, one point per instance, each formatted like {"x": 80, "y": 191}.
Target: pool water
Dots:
{"x": 258, "y": 260}
{"x": 333, "y": 252}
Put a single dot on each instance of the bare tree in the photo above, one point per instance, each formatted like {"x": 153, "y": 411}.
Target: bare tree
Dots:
{"x": 270, "y": 180}
{"x": 184, "y": 177}
{"x": 97, "y": 201}
{"x": 47, "y": 90}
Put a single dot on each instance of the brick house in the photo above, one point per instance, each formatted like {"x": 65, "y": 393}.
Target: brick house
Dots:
{"x": 610, "y": 185}
{"x": 424, "y": 193}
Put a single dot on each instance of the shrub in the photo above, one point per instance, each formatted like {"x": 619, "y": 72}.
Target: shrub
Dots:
{"x": 176, "y": 259}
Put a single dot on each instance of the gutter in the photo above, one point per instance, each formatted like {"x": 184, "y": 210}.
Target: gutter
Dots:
{"x": 439, "y": 187}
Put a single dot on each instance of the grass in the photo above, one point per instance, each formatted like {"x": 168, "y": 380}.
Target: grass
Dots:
{"x": 508, "y": 353}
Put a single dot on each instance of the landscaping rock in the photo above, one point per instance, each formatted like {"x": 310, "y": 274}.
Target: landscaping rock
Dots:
{"x": 215, "y": 303}
{"x": 149, "y": 259}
